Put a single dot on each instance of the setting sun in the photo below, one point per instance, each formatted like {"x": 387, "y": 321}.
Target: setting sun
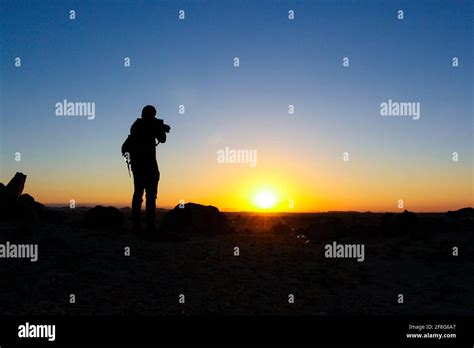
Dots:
{"x": 265, "y": 199}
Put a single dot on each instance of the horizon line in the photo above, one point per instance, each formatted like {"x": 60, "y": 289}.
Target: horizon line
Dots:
{"x": 91, "y": 205}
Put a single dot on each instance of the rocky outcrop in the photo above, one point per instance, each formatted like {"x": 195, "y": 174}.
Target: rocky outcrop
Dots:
{"x": 103, "y": 217}
{"x": 15, "y": 205}
{"x": 464, "y": 213}
{"x": 192, "y": 218}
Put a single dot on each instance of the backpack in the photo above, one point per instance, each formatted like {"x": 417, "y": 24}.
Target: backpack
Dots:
{"x": 127, "y": 146}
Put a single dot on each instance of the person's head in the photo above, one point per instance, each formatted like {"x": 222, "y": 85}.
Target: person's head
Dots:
{"x": 148, "y": 112}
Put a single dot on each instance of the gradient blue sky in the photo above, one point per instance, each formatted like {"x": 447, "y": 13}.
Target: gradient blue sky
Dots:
{"x": 282, "y": 62}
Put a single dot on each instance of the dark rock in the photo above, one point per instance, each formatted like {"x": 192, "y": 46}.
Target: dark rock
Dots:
{"x": 15, "y": 187}
{"x": 103, "y": 217}
{"x": 194, "y": 218}
{"x": 3, "y": 199}
{"x": 14, "y": 205}
{"x": 464, "y": 213}
{"x": 28, "y": 210}
{"x": 26, "y": 199}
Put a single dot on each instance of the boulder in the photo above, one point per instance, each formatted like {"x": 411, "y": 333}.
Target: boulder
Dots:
{"x": 3, "y": 199}
{"x": 464, "y": 213}
{"x": 15, "y": 187}
{"x": 103, "y": 217}
{"x": 192, "y": 218}
{"x": 14, "y": 205}
{"x": 29, "y": 210}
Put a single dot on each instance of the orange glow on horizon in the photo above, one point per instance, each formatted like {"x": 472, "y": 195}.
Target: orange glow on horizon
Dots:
{"x": 339, "y": 187}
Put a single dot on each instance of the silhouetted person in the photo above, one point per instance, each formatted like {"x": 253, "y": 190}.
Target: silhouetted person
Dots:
{"x": 140, "y": 149}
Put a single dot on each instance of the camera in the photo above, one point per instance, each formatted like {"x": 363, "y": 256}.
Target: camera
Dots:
{"x": 163, "y": 126}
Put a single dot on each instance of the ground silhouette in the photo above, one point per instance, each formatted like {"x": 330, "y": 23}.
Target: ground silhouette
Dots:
{"x": 279, "y": 253}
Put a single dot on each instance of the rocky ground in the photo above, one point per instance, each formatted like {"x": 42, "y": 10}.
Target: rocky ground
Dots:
{"x": 279, "y": 254}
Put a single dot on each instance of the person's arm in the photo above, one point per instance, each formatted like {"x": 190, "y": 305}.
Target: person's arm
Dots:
{"x": 161, "y": 136}
{"x": 161, "y": 131}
